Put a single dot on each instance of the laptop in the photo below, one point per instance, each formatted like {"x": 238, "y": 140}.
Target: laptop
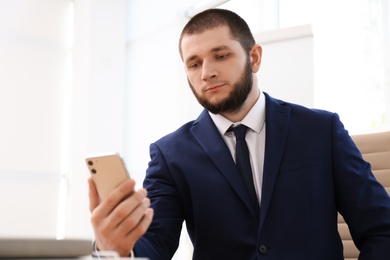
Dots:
{"x": 11, "y": 248}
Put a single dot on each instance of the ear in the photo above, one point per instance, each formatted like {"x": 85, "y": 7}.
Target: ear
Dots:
{"x": 255, "y": 55}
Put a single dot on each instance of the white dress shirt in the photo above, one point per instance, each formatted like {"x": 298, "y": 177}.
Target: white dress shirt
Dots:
{"x": 255, "y": 138}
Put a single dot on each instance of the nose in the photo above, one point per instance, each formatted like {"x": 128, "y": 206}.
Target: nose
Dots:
{"x": 208, "y": 71}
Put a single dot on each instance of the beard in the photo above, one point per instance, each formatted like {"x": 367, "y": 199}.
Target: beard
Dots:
{"x": 236, "y": 98}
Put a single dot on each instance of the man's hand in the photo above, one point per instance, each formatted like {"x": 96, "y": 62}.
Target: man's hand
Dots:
{"x": 119, "y": 220}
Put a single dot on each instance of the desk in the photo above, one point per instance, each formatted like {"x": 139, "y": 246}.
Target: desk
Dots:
{"x": 39, "y": 248}
{"x": 61, "y": 249}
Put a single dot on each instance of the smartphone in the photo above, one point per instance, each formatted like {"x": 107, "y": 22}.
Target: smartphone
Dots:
{"x": 107, "y": 172}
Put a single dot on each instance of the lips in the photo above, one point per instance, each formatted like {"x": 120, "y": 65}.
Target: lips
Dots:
{"x": 215, "y": 87}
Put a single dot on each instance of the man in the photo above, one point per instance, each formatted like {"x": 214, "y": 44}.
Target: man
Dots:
{"x": 305, "y": 169}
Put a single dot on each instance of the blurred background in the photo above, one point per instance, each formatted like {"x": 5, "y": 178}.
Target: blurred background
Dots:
{"x": 92, "y": 76}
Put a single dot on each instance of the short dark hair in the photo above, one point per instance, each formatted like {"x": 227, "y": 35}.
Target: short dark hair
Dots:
{"x": 212, "y": 18}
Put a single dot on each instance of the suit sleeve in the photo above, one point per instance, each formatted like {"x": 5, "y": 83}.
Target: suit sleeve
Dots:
{"x": 361, "y": 199}
{"x": 162, "y": 238}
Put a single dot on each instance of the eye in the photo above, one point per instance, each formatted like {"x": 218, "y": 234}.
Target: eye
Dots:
{"x": 222, "y": 56}
{"x": 193, "y": 65}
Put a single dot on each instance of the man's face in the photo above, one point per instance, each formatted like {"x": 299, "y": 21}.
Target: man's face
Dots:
{"x": 218, "y": 69}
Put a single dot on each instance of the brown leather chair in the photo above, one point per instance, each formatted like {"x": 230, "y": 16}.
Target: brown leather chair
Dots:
{"x": 375, "y": 149}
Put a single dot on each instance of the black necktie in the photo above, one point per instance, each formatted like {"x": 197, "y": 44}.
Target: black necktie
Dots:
{"x": 243, "y": 162}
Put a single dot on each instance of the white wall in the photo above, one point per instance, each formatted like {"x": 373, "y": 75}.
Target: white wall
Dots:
{"x": 158, "y": 97}
{"x": 287, "y": 67}
{"x": 33, "y": 55}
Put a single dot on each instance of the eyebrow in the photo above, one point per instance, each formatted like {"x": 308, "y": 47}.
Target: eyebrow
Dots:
{"x": 215, "y": 49}
{"x": 219, "y": 48}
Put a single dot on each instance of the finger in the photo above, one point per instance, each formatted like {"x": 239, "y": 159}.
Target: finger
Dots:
{"x": 115, "y": 197}
{"x": 93, "y": 195}
{"x": 142, "y": 226}
{"x": 131, "y": 220}
{"x": 129, "y": 239}
{"x": 118, "y": 238}
{"x": 145, "y": 223}
{"x": 130, "y": 209}
{"x": 124, "y": 236}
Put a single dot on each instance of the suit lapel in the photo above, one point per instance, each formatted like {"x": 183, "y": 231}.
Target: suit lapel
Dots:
{"x": 277, "y": 122}
{"x": 207, "y": 135}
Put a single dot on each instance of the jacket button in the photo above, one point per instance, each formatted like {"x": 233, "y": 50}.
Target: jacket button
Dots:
{"x": 263, "y": 249}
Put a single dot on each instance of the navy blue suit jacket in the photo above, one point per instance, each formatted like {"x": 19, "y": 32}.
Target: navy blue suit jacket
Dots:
{"x": 312, "y": 170}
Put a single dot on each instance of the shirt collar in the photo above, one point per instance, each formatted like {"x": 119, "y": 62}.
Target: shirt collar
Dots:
{"x": 251, "y": 120}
